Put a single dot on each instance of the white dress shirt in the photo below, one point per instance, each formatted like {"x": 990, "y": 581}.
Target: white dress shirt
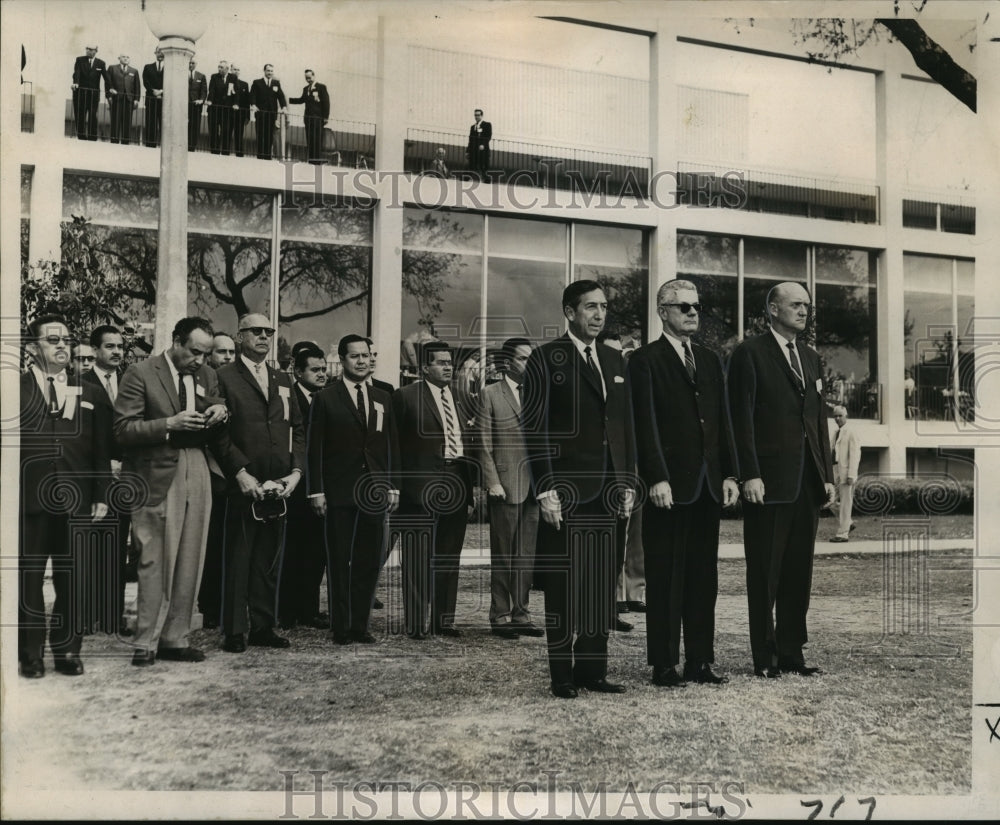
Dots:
{"x": 59, "y": 383}
{"x": 593, "y": 354}
{"x": 436, "y": 395}
{"x": 261, "y": 376}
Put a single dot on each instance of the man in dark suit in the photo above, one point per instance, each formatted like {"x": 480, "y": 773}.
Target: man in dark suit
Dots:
{"x": 437, "y": 480}
{"x": 64, "y": 477}
{"x": 88, "y": 71}
{"x": 152, "y": 82}
{"x": 513, "y": 509}
{"x": 220, "y": 110}
{"x": 264, "y": 463}
{"x": 317, "y": 113}
{"x": 304, "y": 560}
{"x": 122, "y": 84}
{"x": 783, "y": 449}
{"x": 478, "y": 150}
{"x": 240, "y": 109}
{"x": 578, "y": 433}
{"x": 353, "y": 449}
{"x": 268, "y": 101}
{"x": 168, "y": 408}
{"x": 684, "y": 450}
{"x": 197, "y": 93}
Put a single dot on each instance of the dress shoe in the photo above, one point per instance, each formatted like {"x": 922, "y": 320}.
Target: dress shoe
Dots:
{"x": 564, "y": 690}
{"x": 800, "y": 669}
{"x": 504, "y": 631}
{"x": 143, "y": 658}
{"x": 234, "y": 643}
{"x": 853, "y": 525}
{"x": 601, "y": 686}
{"x": 527, "y": 629}
{"x": 288, "y": 624}
{"x": 209, "y": 624}
{"x": 839, "y": 539}
{"x": 69, "y": 665}
{"x": 180, "y": 654}
{"x": 362, "y": 637}
{"x": 621, "y": 607}
{"x": 449, "y": 630}
{"x": 622, "y": 626}
{"x": 637, "y": 607}
{"x": 377, "y": 604}
{"x": 267, "y": 638}
{"x": 341, "y": 638}
{"x": 768, "y": 672}
{"x": 667, "y": 676}
{"x": 703, "y": 674}
{"x": 32, "y": 668}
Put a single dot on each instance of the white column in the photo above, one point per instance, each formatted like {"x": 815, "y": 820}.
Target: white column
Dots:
{"x": 45, "y": 241}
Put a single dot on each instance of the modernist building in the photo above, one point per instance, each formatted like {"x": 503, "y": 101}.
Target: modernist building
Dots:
{"x": 702, "y": 148}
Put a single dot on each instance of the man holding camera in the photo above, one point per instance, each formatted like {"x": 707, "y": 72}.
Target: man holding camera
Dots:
{"x": 263, "y": 462}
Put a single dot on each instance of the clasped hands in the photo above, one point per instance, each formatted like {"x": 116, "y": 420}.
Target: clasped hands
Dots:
{"x": 281, "y": 487}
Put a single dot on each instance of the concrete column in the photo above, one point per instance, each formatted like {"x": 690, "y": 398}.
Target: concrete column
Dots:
{"x": 45, "y": 241}
{"x": 171, "y": 256}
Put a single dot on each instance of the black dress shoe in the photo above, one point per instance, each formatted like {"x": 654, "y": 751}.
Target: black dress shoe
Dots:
{"x": 362, "y": 637}
{"x": 504, "y": 631}
{"x": 637, "y": 607}
{"x": 234, "y": 643}
{"x": 601, "y": 686}
{"x": 769, "y": 672}
{"x": 180, "y": 654}
{"x": 667, "y": 676}
{"x": 143, "y": 658}
{"x": 341, "y": 638}
{"x": 564, "y": 690}
{"x": 527, "y": 629}
{"x": 801, "y": 669}
{"x": 208, "y": 623}
{"x": 377, "y": 603}
{"x": 622, "y": 607}
{"x": 703, "y": 674}
{"x": 288, "y": 624}
{"x": 32, "y": 668}
{"x": 69, "y": 665}
{"x": 622, "y": 626}
{"x": 450, "y": 630}
{"x": 267, "y": 638}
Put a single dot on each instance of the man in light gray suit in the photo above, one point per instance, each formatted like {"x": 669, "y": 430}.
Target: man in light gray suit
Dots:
{"x": 513, "y": 510}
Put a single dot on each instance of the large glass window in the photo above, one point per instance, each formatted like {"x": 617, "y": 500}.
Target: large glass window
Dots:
{"x": 616, "y": 257}
{"x": 710, "y": 263}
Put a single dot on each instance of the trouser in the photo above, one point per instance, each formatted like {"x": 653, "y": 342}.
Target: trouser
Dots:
{"x": 121, "y": 118}
{"x": 250, "y": 568}
{"x": 154, "y": 120}
{"x": 194, "y": 125}
{"x": 85, "y": 102}
{"x": 845, "y": 506}
{"x": 355, "y": 544}
{"x": 632, "y": 576}
{"x": 513, "y": 532}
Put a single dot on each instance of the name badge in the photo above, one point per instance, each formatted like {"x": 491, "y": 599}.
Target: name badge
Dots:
{"x": 284, "y": 393}
{"x": 379, "y": 415}
{"x": 86, "y": 405}
{"x": 819, "y": 385}
{"x": 69, "y": 408}
{"x": 199, "y": 390}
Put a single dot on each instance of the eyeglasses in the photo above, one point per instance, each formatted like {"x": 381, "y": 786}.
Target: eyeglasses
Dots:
{"x": 685, "y": 308}
{"x": 84, "y": 358}
{"x": 53, "y": 340}
{"x": 258, "y": 331}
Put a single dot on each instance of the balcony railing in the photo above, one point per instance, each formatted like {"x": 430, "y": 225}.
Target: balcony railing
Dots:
{"x": 863, "y": 399}
{"x": 530, "y": 164}
{"x": 27, "y": 107}
{"x": 757, "y": 190}
{"x": 940, "y": 212}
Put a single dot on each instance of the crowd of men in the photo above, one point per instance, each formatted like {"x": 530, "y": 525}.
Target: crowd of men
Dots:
{"x": 246, "y": 485}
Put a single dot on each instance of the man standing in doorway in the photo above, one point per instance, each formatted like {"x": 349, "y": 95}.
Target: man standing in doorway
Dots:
{"x": 846, "y": 461}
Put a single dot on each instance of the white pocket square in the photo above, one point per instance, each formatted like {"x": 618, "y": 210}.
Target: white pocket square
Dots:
{"x": 619, "y": 379}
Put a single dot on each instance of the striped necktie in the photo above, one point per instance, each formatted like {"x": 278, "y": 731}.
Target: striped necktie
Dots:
{"x": 796, "y": 366}
{"x": 451, "y": 442}
{"x": 688, "y": 359}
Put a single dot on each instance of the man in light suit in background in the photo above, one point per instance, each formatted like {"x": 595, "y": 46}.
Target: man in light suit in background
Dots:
{"x": 846, "y": 460}
{"x": 513, "y": 510}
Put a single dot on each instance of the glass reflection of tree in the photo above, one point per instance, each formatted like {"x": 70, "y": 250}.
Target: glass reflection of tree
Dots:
{"x": 426, "y": 271}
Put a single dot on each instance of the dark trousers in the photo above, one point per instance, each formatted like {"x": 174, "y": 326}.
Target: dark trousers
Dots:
{"x": 302, "y": 565}
{"x": 194, "y": 125}
{"x": 265, "y": 133}
{"x": 314, "y": 138}
{"x": 44, "y": 536}
{"x": 239, "y": 123}
{"x": 85, "y": 102}
{"x": 681, "y": 554}
{"x": 479, "y": 161}
{"x": 210, "y": 591}
{"x": 219, "y": 129}
{"x": 779, "y": 541}
{"x": 250, "y": 568}
{"x": 104, "y": 572}
{"x": 355, "y": 544}
{"x": 121, "y": 118}
{"x": 577, "y": 566}
{"x": 154, "y": 120}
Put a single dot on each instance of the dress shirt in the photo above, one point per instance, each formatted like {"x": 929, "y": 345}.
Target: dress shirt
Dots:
{"x": 436, "y": 395}
{"x": 188, "y": 385}
{"x": 261, "y": 376}
{"x": 106, "y": 378}
{"x": 516, "y": 389}
{"x": 61, "y": 380}
{"x": 593, "y": 354}
{"x": 783, "y": 343}
{"x": 307, "y": 393}
{"x": 352, "y": 389}
{"x": 678, "y": 346}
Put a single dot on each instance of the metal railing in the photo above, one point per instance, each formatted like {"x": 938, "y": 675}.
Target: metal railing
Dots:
{"x": 862, "y": 399}
{"x": 27, "y": 106}
{"x": 940, "y": 211}
{"x": 937, "y": 403}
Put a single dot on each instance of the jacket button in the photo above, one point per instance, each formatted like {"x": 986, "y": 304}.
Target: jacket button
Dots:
{"x": 604, "y": 443}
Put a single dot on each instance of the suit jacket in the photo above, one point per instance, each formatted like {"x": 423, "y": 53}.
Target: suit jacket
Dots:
{"x": 421, "y": 442}
{"x": 147, "y": 397}
{"x": 483, "y": 137}
{"x": 385, "y": 386}
{"x": 266, "y": 435}
{"x": 344, "y": 450}
{"x": 502, "y": 454}
{"x": 96, "y": 380}
{"x": 317, "y": 102}
{"x": 778, "y": 427}
{"x": 218, "y": 90}
{"x": 682, "y": 430}
{"x": 197, "y": 87}
{"x": 241, "y": 98}
{"x": 572, "y": 433}
{"x": 266, "y": 94}
{"x": 152, "y": 80}
{"x": 124, "y": 82}
{"x": 61, "y": 451}
{"x": 846, "y": 454}
{"x": 86, "y": 76}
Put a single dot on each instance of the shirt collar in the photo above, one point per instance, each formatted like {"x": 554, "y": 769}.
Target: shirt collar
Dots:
{"x": 173, "y": 370}
{"x": 250, "y": 365}
{"x": 581, "y": 346}
{"x": 513, "y": 385}
{"x": 781, "y": 339}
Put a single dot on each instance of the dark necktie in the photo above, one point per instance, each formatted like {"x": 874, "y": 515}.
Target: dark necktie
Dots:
{"x": 591, "y": 364}
{"x": 688, "y": 359}
{"x": 520, "y": 394}
{"x": 361, "y": 404}
{"x": 796, "y": 366}
{"x": 53, "y": 398}
{"x": 182, "y": 395}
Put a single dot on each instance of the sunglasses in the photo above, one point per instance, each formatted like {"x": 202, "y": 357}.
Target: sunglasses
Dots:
{"x": 258, "y": 331}
{"x": 53, "y": 340}
{"x": 685, "y": 308}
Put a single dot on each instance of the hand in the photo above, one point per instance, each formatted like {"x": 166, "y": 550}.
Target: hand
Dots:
{"x": 157, "y": 92}
{"x": 551, "y": 510}
{"x": 98, "y": 511}
{"x": 112, "y": 92}
{"x": 661, "y": 495}
{"x": 291, "y": 481}
{"x": 496, "y": 491}
{"x": 730, "y": 492}
{"x": 753, "y": 490}
{"x": 831, "y": 494}
{"x": 135, "y": 104}
{"x": 75, "y": 86}
{"x": 216, "y": 414}
{"x": 116, "y": 468}
{"x": 393, "y": 506}
{"x": 318, "y": 504}
{"x": 629, "y": 501}
{"x": 186, "y": 421}
{"x": 248, "y": 485}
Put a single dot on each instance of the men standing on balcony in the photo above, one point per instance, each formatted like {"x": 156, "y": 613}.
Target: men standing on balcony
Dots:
{"x": 87, "y": 74}
{"x": 783, "y": 451}
{"x": 268, "y": 101}
{"x": 197, "y": 93}
{"x": 152, "y": 82}
{"x": 240, "y": 108}
{"x": 846, "y": 461}
{"x": 220, "y": 109}
{"x": 478, "y": 151}
{"x": 317, "y": 113}
{"x": 685, "y": 454}
{"x": 122, "y": 83}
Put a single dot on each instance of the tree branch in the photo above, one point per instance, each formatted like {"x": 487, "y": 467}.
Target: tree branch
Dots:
{"x": 295, "y": 316}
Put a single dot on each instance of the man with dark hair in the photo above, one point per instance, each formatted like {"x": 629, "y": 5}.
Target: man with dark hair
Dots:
{"x": 64, "y": 446}
{"x": 352, "y": 450}
{"x": 578, "y": 433}
{"x": 197, "y": 93}
{"x": 317, "y": 113}
{"x": 168, "y": 408}
{"x": 220, "y": 102}
{"x": 783, "y": 449}
{"x": 513, "y": 510}
{"x": 264, "y": 463}
{"x": 437, "y": 481}
{"x": 83, "y": 360}
{"x": 304, "y": 560}
{"x": 478, "y": 150}
{"x": 88, "y": 71}
{"x": 152, "y": 82}
{"x": 268, "y": 101}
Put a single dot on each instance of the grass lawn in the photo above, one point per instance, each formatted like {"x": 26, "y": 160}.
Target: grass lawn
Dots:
{"x": 889, "y": 715}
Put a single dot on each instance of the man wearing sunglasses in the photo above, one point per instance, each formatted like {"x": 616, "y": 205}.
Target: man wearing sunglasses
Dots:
{"x": 684, "y": 449}
{"x": 264, "y": 464}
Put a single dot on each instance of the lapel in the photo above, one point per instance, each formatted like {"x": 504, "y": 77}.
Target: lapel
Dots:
{"x": 582, "y": 369}
{"x": 609, "y": 367}
{"x": 249, "y": 377}
{"x": 167, "y": 380}
{"x": 510, "y": 398}
{"x": 351, "y": 403}
{"x": 430, "y": 404}
{"x": 783, "y": 364}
